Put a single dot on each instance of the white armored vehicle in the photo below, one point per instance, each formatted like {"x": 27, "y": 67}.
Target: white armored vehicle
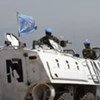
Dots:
{"x": 45, "y": 74}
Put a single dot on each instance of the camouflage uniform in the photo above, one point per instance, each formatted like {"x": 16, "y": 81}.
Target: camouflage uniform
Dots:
{"x": 89, "y": 53}
{"x": 45, "y": 40}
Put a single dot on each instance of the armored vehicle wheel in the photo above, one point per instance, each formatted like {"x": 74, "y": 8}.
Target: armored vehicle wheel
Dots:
{"x": 85, "y": 92}
{"x": 88, "y": 96}
{"x": 64, "y": 92}
{"x": 65, "y": 96}
{"x": 43, "y": 92}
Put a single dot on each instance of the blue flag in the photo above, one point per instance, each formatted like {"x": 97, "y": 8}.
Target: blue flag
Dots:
{"x": 26, "y": 24}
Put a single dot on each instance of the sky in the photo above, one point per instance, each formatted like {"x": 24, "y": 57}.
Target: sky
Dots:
{"x": 73, "y": 20}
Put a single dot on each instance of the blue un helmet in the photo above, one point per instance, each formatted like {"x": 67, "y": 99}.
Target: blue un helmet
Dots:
{"x": 87, "y": 42}
{"x": 48, "y": 31}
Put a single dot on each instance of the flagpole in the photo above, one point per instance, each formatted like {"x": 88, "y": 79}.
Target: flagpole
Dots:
{"x": 17, "y": 23}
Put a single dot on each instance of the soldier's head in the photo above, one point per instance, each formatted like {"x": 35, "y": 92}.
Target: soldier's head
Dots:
{"x": 48, "y": 31}
{"x": 87, "y": 43}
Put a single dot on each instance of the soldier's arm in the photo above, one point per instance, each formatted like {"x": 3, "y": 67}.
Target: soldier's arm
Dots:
{"x": 56, "y": 39}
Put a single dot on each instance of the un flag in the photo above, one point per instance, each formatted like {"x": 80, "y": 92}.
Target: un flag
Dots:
{"x": 26, "y": 24}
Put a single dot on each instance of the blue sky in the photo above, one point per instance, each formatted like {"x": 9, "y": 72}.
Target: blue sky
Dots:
{"x": 73, "y": 20}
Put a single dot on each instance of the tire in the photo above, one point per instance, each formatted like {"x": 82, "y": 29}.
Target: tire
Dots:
{"x": 88, "y": 96}
{"x": 65, "y": 96}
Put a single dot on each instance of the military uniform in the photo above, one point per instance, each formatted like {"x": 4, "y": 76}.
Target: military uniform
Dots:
{"x": 45, "y": 40}
{"x": 89, "y": 53}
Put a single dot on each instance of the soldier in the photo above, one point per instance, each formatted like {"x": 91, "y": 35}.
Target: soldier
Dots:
{"x": 47, "y": 37}
{"x": 88, "y": 52}
{"x": 46, "y": 40}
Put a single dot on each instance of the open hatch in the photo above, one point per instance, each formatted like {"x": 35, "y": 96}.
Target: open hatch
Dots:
{"x": 13, "y": 40}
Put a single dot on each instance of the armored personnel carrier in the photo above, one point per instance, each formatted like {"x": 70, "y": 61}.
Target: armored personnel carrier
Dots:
{"x": 46, "y": 74}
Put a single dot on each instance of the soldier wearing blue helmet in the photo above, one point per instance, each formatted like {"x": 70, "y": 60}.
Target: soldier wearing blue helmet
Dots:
{"x": 88, "y": 52}
{"x": 46, "y": 39}
{"x": 48, "y": 35}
